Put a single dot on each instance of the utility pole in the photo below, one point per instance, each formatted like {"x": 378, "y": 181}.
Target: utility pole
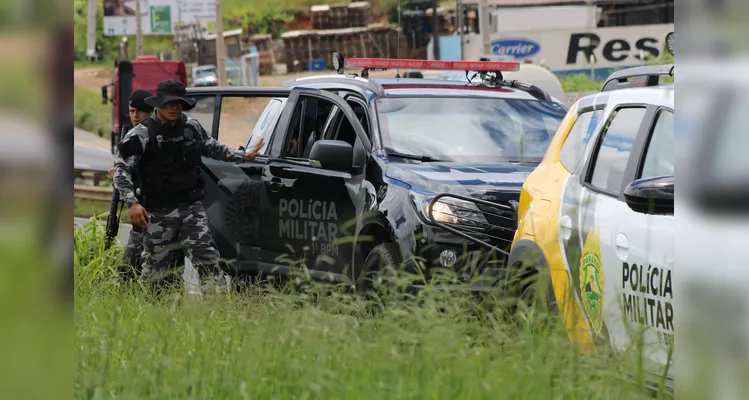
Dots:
{"x": 220, "y": 46}
{"x": 435, "y": 30}
{"x": 91, "y": 33}
{"x": 484, "y": 26}
{"x": 461, "y": 22}
{"x": 138, "y": 31}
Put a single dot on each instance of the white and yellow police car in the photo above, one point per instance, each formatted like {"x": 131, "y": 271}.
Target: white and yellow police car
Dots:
{"x": 597, "y": 214}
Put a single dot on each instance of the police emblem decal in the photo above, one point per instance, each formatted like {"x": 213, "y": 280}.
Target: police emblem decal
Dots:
{"x": 243, "y": 214}
{"x": 591, "y": 281}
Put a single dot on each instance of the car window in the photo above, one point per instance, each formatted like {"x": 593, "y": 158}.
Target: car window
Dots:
{"x": 659, "y": 158}
{"x": 204, "y": 111}
{"x": 613, "y": 152}
{"x": 577, "y": 140}
{"x": 307, "y": 125}
{"x": 361, "y": 114}
{"x": 468, "y": 129}
{"x": 265, "y": 125}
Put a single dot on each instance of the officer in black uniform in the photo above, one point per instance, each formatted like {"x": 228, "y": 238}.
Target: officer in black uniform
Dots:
{"x": 165, "y": 151}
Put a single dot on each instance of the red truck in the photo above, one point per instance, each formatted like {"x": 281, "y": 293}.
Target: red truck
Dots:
{"x": 145, "y": 72}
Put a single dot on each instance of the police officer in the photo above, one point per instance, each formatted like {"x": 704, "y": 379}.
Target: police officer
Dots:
{"x": 131, "y": 260}
{"x": 165, "y": 152}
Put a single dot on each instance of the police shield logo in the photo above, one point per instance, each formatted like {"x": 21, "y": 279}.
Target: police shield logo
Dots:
{"x": 243, "y": 214}
{"x": 591, "y": 280}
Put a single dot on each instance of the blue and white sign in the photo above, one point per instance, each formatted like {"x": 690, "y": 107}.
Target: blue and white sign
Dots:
{"x": 517, "y": 48}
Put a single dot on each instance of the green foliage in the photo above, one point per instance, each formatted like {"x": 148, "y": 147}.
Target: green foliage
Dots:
{"x": 391, "y": 8}
{"x": 261, "y": 21}
{"x": 580, "y": 83}
{"x": 665, "y": 58}
{"x": 89, "y": 113}
{"x": 24, "y": 91}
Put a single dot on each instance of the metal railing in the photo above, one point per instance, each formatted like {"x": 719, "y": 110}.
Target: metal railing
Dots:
{"x": 94, "y": 191}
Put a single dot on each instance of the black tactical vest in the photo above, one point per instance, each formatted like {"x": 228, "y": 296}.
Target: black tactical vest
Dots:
{"x": 169, "y": 170}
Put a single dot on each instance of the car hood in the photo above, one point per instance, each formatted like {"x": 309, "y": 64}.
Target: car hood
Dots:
{"x": 486, "y": 181}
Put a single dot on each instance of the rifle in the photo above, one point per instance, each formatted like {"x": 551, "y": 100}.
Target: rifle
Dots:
{"x": 113, "y": 219}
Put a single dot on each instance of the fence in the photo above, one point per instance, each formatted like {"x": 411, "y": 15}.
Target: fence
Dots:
{"x": 309, "y": 50}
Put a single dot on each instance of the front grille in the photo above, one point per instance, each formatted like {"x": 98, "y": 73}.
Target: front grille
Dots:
{"x": 498, "y": 230}
{"x": 502, "y": 222}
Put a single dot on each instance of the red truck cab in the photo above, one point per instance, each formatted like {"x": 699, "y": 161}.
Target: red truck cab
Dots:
{"x": 145, "y": 72}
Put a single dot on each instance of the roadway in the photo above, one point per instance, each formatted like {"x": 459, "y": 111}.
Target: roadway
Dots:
{"x": 91, "y": 152}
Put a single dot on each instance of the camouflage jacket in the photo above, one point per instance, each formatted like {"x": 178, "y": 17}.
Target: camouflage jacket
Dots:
{"x": 125, "y": 166}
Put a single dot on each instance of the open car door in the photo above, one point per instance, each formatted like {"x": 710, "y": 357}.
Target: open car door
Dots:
{"x": 296, "y": 204}
{"x": 232, "y": 200}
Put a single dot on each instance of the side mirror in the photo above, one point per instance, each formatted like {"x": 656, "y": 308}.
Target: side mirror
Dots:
{"x": 104, "y": 97}
{"x": 653, "y": 196}
{"x": 335, "y": 155}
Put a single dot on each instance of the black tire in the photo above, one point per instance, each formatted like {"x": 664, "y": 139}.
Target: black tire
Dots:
{"x": 540, "y": 311}
{"x": 375, "y": 266}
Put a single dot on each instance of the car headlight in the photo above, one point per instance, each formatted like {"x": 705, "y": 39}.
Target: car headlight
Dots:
{"x": 449, "y": 211}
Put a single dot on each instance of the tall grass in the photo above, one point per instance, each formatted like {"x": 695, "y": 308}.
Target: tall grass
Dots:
{"x": 271, "y": 342}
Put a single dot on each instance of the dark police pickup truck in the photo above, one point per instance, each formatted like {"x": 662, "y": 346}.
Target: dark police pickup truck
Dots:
{"x": 350, "y": 167}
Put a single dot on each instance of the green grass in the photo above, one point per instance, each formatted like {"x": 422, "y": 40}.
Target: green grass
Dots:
{"x": 90, "y": 114}
{"x": 22, "y": 91}
{"x": 580, "y": 83}
{"x": 270, "y": 342}
{"x": 87, "y": 208}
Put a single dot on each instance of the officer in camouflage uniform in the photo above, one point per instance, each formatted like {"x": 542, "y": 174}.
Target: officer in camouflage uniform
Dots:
{"x": 165, "y": 152}
{"x": 138, "y": 111}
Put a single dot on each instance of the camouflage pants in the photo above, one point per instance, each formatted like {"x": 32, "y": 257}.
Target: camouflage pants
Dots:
{"x": 186, "y": 228}
{"x": 131, "y": 259}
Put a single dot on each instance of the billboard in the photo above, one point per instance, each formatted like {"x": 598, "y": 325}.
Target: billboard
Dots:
{"x": 596, "y": 51}
{"x": 157, "y": 17}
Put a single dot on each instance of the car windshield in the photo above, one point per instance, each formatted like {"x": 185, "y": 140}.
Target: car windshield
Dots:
{"x": 205, "y": 72}
{"x": 468, "y": 129}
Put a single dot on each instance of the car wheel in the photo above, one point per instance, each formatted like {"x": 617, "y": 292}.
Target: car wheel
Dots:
{"x": 534, "y": 310}
{"x": 376, "y": 276}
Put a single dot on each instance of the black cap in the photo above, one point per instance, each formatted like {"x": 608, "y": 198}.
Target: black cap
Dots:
{"x": 170, "y": 90}
{"x": 138, "y": 100}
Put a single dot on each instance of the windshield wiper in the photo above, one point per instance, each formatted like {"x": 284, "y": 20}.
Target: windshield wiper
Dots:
{"x": 412, "y": 156}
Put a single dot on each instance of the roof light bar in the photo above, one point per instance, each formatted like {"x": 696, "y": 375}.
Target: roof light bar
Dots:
{"x": 435, "y": 65}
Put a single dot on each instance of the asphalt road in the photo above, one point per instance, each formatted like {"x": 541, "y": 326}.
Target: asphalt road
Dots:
{"x": 91, "y": 152}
